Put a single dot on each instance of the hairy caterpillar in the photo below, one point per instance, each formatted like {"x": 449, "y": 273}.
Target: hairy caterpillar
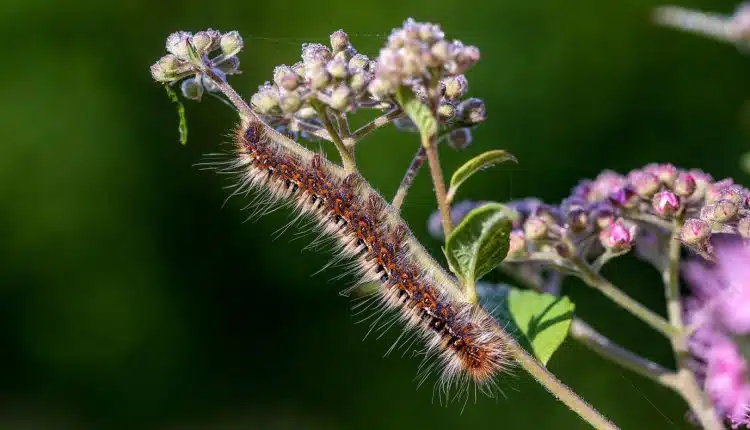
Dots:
{"x": 467, "y": 341}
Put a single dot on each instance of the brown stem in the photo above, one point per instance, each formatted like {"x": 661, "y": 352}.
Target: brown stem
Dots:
{"x": 555, "y": 386}
{"x": 600, "y": 344}
{"x": 430, "y": 145}
{"x": 598, "y": 282}
{"x": 371, "y": 126}
{"x": 411, "y": 173}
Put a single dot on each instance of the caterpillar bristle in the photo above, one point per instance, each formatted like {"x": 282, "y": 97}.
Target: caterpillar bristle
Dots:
{"x": 463, "y": 343}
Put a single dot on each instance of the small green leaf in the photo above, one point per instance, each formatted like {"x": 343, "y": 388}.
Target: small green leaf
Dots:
{"x": 417, "y": 111}
{"x": 544, "y": 319}
{"x": 479, "y": 243}
{"x": 480, "y": 162}
{"x": 180, "y": 112}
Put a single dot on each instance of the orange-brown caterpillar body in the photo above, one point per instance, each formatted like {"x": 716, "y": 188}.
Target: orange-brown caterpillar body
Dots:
{"x": 465, "y": 337}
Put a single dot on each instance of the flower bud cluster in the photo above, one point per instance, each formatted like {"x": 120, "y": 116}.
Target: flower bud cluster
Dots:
{"x": 662, "y": 191}
{"x": 192, "y": 54}
{"x": 417, "y": 52}
{"x": 609, "y": 215}
{"x": 343, "y": 80}
{"x": 336, "y": 75}
{"x": 543, "y": 229}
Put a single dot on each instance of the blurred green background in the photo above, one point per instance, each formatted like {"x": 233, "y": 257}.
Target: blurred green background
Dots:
{"x": 129, "y": 298}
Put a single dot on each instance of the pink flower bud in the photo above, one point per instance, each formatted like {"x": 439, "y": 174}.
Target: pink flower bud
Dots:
{"x": 666, "y": 173}
{"x": 724, "y": 210}
{"x": 644, "y": 184}
{"x": 694, "y": 231}
{"x": 665, "y": 203}
{"x": 617, "y": 237}
{"x": 684, "y": 185}
{"x": 603, "y": 215}
{"x": 713, "y": 191}
{"x": 624, "y": 197}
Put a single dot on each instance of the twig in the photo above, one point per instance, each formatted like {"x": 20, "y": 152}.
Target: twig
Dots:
{"x": 598, "y": 282}
{"x": 371, "y": 126}
{"x": 342, "y": 121}
{"x": 687, "y": 385}
{"x": 411, "y": 173}
{"x": 600, "y": 344}
{"x": 555, "y": 386}
{"x": 347, "y": 158}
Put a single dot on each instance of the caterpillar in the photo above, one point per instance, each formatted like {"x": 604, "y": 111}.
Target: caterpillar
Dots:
{"x": 461, "y": 338}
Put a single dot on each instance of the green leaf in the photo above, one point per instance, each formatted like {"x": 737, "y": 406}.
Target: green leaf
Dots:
{"x": 417, "y": 111}
{"x": 180, "y": 112}
{"x": 480, "y": 162}
{"x": 479, "y": 243}
{"x": 543, "y": 318}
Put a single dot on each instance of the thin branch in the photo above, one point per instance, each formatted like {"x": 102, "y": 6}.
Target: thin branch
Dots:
{"x": 699, "y": 402}
{"x": 429, "y": 142}
{"x": 430, "y": 145}
{"x": 245, "y": 111}
{"x": 598, "y": 282}
{"x": 650, "y": 219}
{"x": 373, "y": 125}
{"x": 554, "y": 385}
{"x": 342, "y": 122}
{"x": 347, "y": 159}
{"x": 311, "y": 129}
{"x": 411, "y": 173}
{"x": 600, "y": 344}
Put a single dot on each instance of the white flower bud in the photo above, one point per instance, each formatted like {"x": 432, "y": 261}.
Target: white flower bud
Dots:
{"x": 231, "y": 43}
{"x": 339, "y": 41}
{"x": 290, "y": 101}
{"x": 337, "y": 69}
{"x": 341, "y": 97}
{"x": 207, "y": 41}
{"x": 456, "y": 87}
{"x": 177, "y": 44}
{"x": 266, "y": 100}
{"x": 192, "y": 89}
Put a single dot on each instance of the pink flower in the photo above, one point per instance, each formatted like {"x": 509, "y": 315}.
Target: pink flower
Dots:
{"x": 720, "y": 305}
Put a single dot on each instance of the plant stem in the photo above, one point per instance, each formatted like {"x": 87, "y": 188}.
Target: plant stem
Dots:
{"x": 430, "y": 145}
{"x": 597, "y": 281}
{"x": 555, "y": 386}
{"x": 600, "y": 344}
{"x": 312, "y": 129}
{"x": 347, "y": 157}
{"x": 371, "y": 126}
{"x": 411, "y": 173}
{"x": 688, "y": 387}
{"x": 342, "y": 121}
{"x": 429, "y": 141}
{"x": 245, "y": 111}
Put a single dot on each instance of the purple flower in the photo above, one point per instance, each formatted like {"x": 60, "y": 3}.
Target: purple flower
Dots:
{"x": 720, "y": 307}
